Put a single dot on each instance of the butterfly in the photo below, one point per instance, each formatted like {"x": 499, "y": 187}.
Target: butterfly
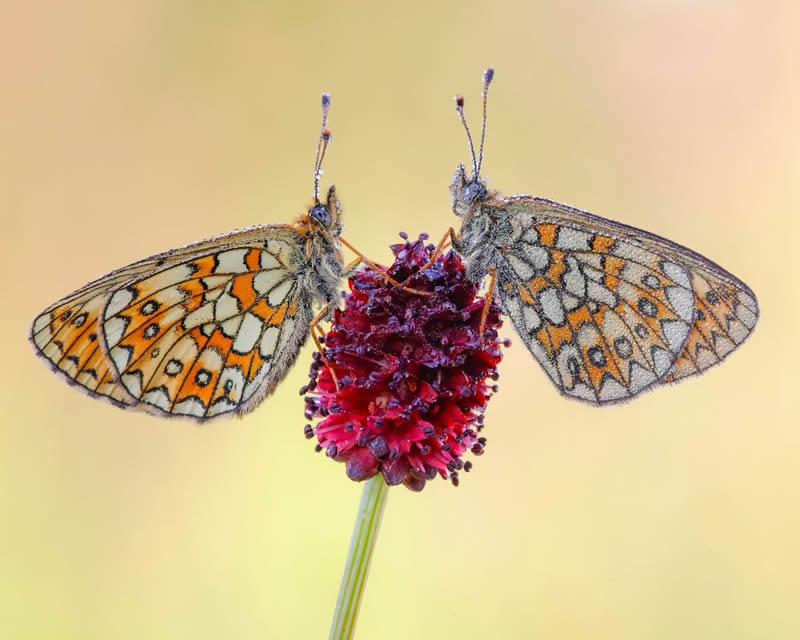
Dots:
{"x": 607, "y": 310}
{"x": 209, "y": 329}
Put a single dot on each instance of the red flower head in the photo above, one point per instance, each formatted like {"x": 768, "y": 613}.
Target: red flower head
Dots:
{"x": 411, "y": 372}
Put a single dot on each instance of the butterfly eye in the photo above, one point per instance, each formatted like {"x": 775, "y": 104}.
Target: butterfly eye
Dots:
{"x": 321, "y": 215}
{"x": 474, "y": 191}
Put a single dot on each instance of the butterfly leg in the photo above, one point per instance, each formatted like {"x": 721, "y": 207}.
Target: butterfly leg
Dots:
{"x": 379, "y": 270}
{"x": 314, "y": 326}
{"x": 488, "y": 304}
{"x": 350, "y": 269}
{"x": 451, "y": 235}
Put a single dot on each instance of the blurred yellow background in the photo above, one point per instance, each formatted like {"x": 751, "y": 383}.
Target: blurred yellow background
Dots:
{"x": 133, "y": 128}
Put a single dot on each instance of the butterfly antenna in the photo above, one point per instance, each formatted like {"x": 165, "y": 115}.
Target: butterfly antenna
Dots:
{"x": 487, "y": 80}
{"x": 322, "y": 147}
{"x": 460, "y": 109}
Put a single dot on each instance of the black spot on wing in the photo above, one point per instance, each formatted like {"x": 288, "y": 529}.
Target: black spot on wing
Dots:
{"x": 597, "y": 357}
{"x": 623, "y": 347}
{"x": 150, "y": 307}
{"x": 173, "y": 368}
{"x": 574, "y": 367}
{"x": 647, "y": 308}
{"x": 151, "y": 331}
{"x": 203, "y": 378}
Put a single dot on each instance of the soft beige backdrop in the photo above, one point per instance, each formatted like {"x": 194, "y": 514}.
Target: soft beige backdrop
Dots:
{"x": 133, "y": 128}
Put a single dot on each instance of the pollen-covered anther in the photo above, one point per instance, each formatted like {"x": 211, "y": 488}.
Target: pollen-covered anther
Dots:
{"x": 411, "y": 377}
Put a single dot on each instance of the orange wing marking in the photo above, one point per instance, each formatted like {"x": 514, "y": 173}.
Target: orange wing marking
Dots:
{"x": 547, "y": 234}
{"x": 603, "y": 244}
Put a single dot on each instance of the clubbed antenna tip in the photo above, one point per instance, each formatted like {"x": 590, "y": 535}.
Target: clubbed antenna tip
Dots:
{"x": 487, "y": 80}
{"x": 322, "y": 147}
{"x": 460, "y": 109}
{"x": 477, "y": 160}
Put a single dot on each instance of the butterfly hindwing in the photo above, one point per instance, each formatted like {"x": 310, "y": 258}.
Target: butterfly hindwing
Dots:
{"x": 204, "y": 331}
{"x": 726, "y": 313}
{"x": 609, "y": 310}
{"x": 213, "y": 335}
{"x": 68, "y": 336}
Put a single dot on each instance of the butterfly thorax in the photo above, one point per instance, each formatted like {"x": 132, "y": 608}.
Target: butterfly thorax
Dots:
{"x": 484, "y": 236}
{"x": 485, "y": 226}
{"x": 319, "y": 231}
{"x": 323, "y": 270}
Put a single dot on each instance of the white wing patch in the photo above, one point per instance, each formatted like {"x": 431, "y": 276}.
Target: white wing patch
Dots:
{"x": 232, "y": 261}
{"x": 249, "y": 332}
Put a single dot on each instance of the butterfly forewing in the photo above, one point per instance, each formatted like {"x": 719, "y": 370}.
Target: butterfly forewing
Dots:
{"x": 203, "y": 331}
{"x": 609, "y": 310}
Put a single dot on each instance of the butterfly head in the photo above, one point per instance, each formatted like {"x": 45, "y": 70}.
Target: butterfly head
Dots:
{"x": 474, "y": 190}
{"x": 467, "y": 193}
{"x": 327, "y": 217}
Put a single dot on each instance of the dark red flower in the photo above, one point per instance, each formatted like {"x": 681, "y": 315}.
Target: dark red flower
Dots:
{"x": 411, "y": 372}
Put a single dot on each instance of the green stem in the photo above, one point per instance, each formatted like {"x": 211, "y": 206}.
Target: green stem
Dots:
{"x": 365, "y": 535}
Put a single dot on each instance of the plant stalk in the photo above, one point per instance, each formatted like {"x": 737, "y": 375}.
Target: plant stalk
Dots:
{"x": 356, "y": 569}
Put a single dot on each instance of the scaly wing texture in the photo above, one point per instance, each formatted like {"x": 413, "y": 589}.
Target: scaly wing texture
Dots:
{"x": 204, "y": 331}
{"x": 67, "y": 336}
{"x": 724, "y": 318}
{"x": 609, "y": 310}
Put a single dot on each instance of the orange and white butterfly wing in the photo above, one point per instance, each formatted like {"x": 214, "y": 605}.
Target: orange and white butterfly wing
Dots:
{"x": 204, "y": 331}
{"x": 68, "y": 336}
{"x": 609, "y": 310}
{"x": 726, "y": 313}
